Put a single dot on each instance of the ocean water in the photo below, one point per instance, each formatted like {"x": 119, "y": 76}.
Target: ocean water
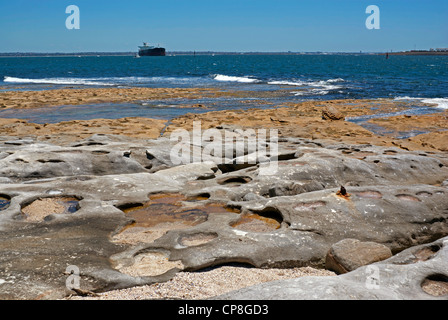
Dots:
{"x": 284, "y": 78}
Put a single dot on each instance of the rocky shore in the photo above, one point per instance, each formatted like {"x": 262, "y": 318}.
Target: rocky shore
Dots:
{"x": 98, "y": 209}
{"x": 74, "y": 96}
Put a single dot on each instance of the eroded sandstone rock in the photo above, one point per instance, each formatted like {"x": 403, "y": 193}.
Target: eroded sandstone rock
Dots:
{"x": 350, "y": 254}
{"x": 288, "y": 219}
{"x": 331, "y": 113}
{"x": 391, "y": 279}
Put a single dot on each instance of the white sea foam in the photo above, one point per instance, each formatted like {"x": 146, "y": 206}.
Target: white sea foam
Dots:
{"x": 316, "y": 92}
{"x": 320, "y": 92}
{"x": 321, "y": 87}
{"x": 65, "y": 81}
{"x": 406, "y": 98}
{"x": 336, "y": 80}
{"x": 438, "y": 102}
{"x": 325, "y": 85}
{"x": 106, "y": 81}
{"x": 300, "y": 93}
{"x": 222, "y": 77}
{"x": 288, "y": 83}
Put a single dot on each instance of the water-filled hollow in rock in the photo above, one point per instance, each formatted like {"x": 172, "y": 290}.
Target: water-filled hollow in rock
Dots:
{"x": 5, "y": 200}
{"x": 165, "y": 212}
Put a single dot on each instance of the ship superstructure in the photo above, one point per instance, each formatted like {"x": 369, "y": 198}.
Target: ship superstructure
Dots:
{"x": 147, "y": 50}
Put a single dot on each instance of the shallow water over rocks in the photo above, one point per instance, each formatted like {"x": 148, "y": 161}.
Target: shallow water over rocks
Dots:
{"x": 164, "y": 212}
{"x": 4, "y": 202}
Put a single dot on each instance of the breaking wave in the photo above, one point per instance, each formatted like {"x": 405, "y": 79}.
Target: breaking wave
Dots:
{"x": 307, "y": 83}
{"x": 222, "y": 77}
{"x": 438, "y": 102}
{"x": 113, "y": 81}
{"x": 309, "y": 87}
{"x": 73, "y": 81}
{"x": 304, "y": 87}
{"x": 321, "y": 87}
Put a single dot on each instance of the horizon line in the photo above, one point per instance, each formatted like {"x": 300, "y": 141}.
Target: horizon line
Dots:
{"x": 204, "y": 52}
{"x": 184, "y": 51}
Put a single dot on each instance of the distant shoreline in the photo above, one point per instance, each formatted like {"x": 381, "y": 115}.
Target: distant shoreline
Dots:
{"x": 211, "y": 53}
{"x": 419, "y": 53}
{"x": 173, "y": 53}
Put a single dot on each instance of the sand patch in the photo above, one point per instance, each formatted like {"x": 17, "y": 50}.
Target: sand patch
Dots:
{"x": 150, "y": 264}
{"x": 207, "y": 283}
{"x": 39, "y": 209}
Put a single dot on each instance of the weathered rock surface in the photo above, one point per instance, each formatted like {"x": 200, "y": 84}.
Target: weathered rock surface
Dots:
{"x": 57, "y": 97}
{"x": 35, "y": 255}
{"x": 402, "y": 277}
{"x": 331, "y": 113}
{"x": 245, "y": 213}
{"x": 350, "y": 254}
{"x": 309, "y": 225}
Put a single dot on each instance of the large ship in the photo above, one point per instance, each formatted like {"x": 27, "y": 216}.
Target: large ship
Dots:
{"x": 147, "y": 50}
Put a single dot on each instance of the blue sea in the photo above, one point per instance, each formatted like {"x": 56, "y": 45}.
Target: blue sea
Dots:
{"x": 275, "y": 79}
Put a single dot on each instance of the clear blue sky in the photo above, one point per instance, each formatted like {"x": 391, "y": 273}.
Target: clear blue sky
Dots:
{"x": 230, "y": 25}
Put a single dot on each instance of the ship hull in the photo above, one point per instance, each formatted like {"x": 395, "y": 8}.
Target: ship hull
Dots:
{"x": 152, "y": 52}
